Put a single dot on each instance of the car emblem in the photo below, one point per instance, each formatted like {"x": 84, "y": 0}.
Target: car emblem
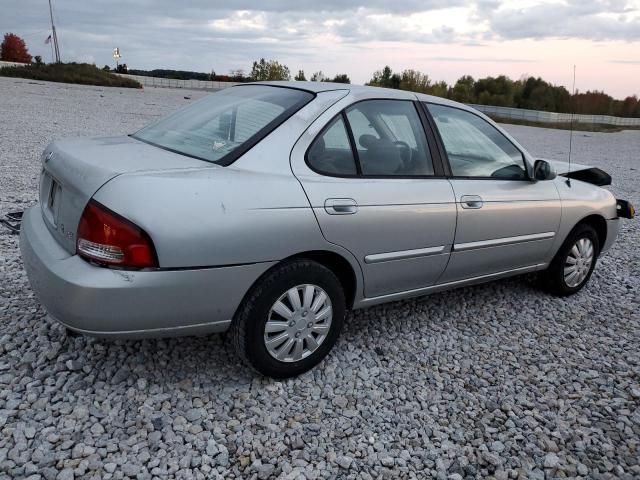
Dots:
{"x": 48, "y": 157}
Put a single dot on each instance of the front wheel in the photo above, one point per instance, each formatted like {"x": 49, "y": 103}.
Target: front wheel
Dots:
{"x": 290, "y": 319}
{"x": 573, "y": 265}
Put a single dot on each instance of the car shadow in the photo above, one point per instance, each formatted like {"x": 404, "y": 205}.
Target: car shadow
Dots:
{"x": 210, "y": 362}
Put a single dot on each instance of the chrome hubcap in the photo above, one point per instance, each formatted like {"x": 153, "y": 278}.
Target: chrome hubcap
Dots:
{"x": 298, "y": 323}
{"x": 578, "y": 262}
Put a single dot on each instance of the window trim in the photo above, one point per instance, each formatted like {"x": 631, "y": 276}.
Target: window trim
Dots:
{"x": 352, "y": 142}
{"x": 445, "y": 155}
{"x": 432, "y": 144}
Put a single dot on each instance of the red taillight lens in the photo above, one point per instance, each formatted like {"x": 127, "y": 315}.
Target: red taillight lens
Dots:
{"x": 107, "y": 238}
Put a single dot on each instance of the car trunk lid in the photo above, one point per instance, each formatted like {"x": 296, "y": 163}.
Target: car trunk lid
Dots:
{"x": 74, "y": 169}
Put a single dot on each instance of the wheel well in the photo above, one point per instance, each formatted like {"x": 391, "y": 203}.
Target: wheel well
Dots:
{"x": 599, "y": 224}
{"x": 339, "y": 266}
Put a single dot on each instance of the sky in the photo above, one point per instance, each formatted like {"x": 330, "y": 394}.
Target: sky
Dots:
{"x": 443, "y": 38}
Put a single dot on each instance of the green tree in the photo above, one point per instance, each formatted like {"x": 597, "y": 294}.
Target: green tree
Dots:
{"x": 495, "y": 91}
{"x": 318, "y": 77}
{"x": 415, "y": 81}
{"x": 300, "y": 76}
{"x": 269, "y": 70}
{"x": 386, "y": 78}
{"x": 341, "y": 78}
{"x": 439, "y": 89}
{"x": 463, "y": 90}
{"x": 238, "y": 75}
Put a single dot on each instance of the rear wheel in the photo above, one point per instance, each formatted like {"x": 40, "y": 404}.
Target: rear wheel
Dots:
{"x": 290, "y": 319}
{"x": 573, "y": 265}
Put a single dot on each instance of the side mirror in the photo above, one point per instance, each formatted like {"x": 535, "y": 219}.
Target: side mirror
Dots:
{"x": 542, "y": 170}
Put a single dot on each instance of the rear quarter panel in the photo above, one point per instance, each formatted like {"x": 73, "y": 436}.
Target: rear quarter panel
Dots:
{"x": 252, "y": 211}
{"x": 215, "y": 216}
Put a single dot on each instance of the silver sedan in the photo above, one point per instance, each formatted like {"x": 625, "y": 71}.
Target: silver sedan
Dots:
{"x": 271, "y": 209}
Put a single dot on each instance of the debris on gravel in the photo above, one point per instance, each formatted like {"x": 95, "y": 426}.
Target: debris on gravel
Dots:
{"x": 498, "y": 380}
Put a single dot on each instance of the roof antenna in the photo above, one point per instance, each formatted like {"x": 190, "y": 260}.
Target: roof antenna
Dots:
{"x": 573, "y": 111}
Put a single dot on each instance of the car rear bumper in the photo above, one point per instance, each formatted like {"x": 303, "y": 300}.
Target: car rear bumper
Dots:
{"x": 129, "y": 304}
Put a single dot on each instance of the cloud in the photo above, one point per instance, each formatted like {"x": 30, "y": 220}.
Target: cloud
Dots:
{"x": 205, "y": 34}
{"x": 593, "y": 20}
{"x": 481, "y": 59}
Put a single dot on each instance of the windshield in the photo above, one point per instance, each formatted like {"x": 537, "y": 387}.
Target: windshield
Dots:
{"x": 222, "y": 126}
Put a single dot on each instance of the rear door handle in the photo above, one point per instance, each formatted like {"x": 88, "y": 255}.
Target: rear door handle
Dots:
{"x": 340, "y": 206}
{"x": 471, "y": 201}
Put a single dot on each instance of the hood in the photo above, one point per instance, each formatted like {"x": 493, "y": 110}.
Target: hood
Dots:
{"x": 583, "y": 173}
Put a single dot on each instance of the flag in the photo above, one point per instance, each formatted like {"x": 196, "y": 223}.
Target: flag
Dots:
{"x": 48, "y": 40}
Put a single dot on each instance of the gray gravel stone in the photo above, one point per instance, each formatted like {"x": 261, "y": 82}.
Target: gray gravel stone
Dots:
{"x": 497, "y": 380}
{"x": 265, "y": 471}
{"x": 345, "y": 461}
{"x": 65, "y": 474}
{"x": 551, "y": 460}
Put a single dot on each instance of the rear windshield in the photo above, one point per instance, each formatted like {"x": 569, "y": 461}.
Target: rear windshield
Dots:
{"x": 223, "y": 125}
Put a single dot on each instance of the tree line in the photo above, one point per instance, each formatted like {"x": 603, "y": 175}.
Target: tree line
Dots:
{"x": 261, "y": 70}
{"x": 527, "y": 92}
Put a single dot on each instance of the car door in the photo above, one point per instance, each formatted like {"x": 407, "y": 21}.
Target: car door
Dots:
{"x": 506, "y": 221}
{"x": 377, "y": 190}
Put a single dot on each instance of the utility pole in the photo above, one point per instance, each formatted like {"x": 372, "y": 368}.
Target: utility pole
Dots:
{"x": 53, "y": 33}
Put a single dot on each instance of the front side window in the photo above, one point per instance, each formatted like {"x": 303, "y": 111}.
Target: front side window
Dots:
{"x": 330, "y": 153}
{"x": 220, "y": 124}
{"x": 475, "y": 148}
{"x": 389, "y": 138}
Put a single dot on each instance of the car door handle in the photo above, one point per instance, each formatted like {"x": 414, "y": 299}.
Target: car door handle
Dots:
{"x": 340, "y": 206}
{"x": 471, "y": 201}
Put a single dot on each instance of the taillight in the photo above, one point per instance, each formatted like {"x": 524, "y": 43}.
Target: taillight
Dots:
{"x": 109, "y": 239}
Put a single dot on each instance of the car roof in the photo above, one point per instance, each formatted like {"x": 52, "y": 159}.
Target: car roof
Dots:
{"x": 379, "y": 92}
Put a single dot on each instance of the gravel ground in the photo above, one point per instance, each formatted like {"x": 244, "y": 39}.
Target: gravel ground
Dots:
{"x": 496, "y": 380}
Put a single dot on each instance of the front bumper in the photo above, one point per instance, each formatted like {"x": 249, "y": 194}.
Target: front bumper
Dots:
{"x": 613, "y": 227}
{"x": 129, "y": 304}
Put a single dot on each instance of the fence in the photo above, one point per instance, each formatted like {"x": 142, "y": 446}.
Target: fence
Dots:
{"x": 552, "y": 117}
{"x": 174, "y": 83}
{"x": 12, "y": 64}
{"x": 502, "y": 112}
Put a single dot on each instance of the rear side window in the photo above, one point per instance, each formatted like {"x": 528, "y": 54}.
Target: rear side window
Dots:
{"x": 390, "y": 138}
{"x": 388, "y": 141}
{"x": 330, "y": 153}
{"x": 223, "y": 125}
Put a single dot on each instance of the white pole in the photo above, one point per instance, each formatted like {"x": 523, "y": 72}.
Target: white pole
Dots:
{"x": 53, "y": 33}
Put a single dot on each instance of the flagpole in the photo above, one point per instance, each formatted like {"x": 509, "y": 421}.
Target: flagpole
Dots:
{"x": 55, "y": 37}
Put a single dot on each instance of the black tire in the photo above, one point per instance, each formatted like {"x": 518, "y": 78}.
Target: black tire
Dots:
{"x": 72, "y": 333}
{"x": 553, "y": 278}
{"x": 248, "y": 326}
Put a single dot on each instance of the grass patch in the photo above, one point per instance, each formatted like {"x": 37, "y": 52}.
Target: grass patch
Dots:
{"x": 81, "y": 73}
{"x": 577, "y": 126}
